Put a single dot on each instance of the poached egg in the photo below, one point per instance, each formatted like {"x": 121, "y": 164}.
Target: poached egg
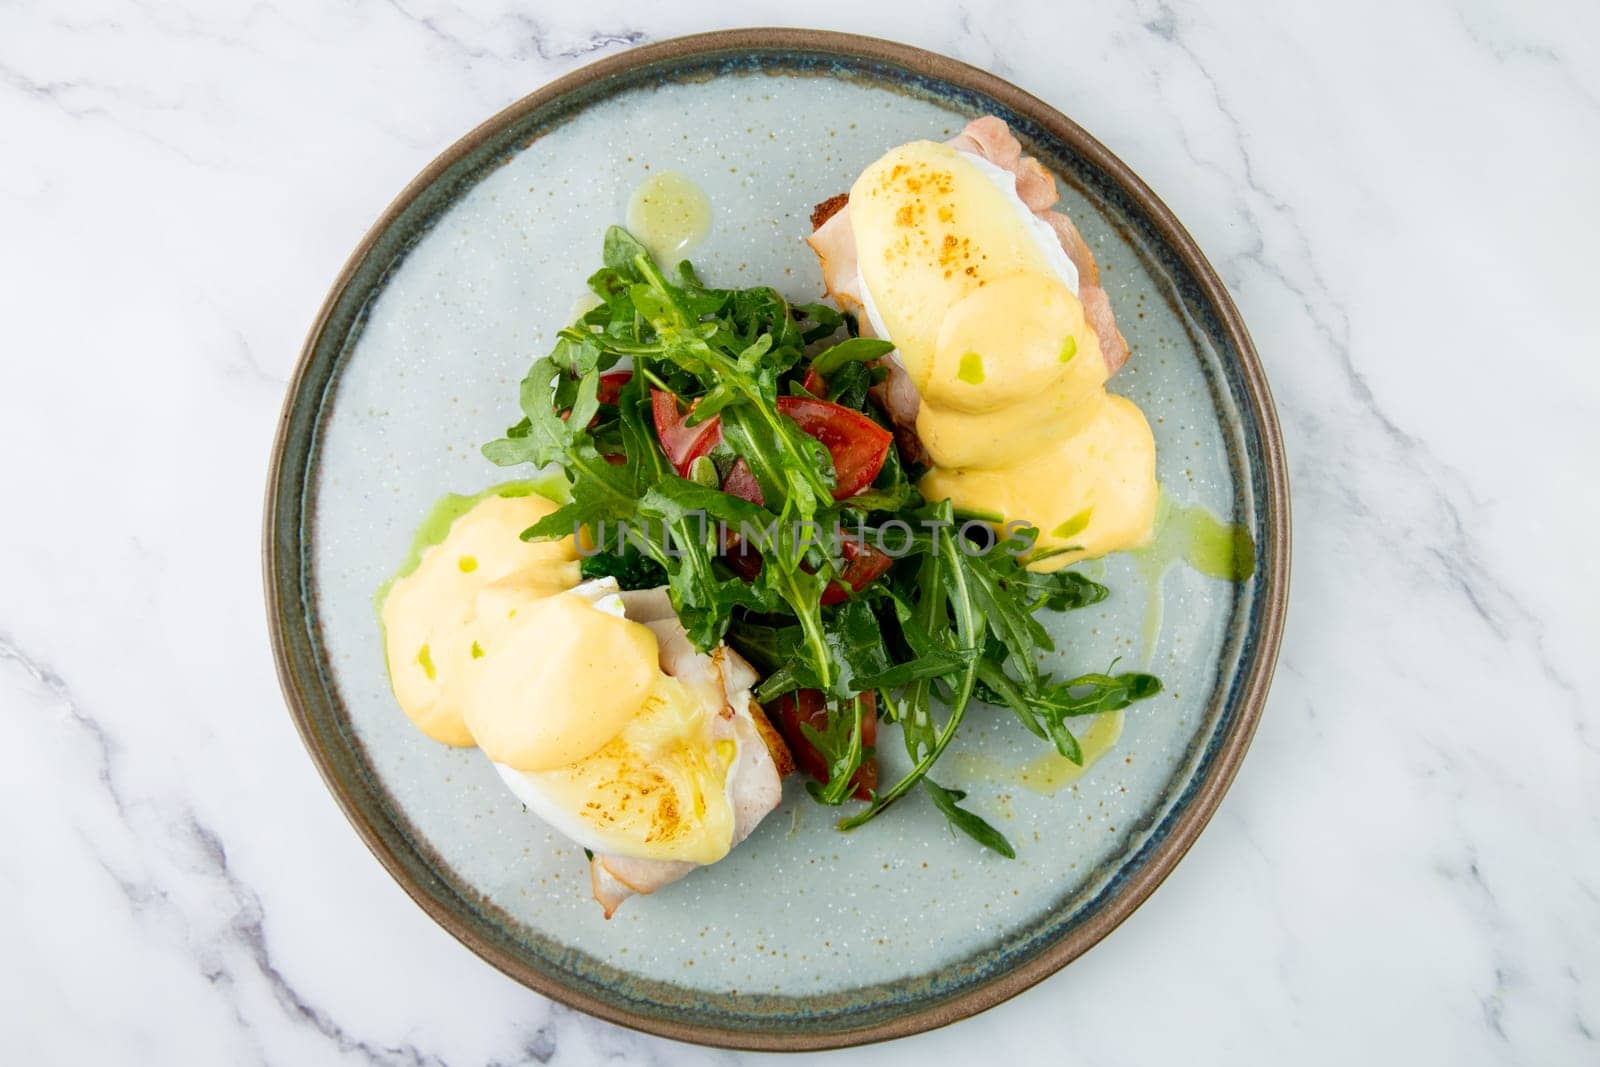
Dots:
{"x": 982, "y": 304}
{"x": 599, "y": 723}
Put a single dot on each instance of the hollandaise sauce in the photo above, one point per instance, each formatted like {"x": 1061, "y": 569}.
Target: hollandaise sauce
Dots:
{"x": 669, "y": 213}
{"x": 983, "y": 309}
{"x": 468, "y": 573}
{"x": 491, "y": 641}
{"x": 435, "y": 526}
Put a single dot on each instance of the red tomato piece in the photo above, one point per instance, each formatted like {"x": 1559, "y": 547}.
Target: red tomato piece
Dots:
{"x": 857, "y": 444}
{"x": 742, "y": 483}
{"x": 682, "y": 443}
{"x": 743, "y": 559}
{"x": 863, "y": 565}
{"x": 808, "y": 706}
{"x": 611, "y": 385}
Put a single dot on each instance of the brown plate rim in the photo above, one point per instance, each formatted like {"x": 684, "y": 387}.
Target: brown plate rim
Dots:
{"x": 1275, "y": 580}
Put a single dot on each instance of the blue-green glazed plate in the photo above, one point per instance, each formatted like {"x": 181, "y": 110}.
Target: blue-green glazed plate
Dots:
{"x": 804, "y": 937}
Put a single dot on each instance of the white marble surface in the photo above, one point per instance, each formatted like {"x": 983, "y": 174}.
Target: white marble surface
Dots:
{"x": 1403, "y": 201}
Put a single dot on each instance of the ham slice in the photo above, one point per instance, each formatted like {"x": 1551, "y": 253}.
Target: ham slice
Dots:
{"x": 834, "y": 244}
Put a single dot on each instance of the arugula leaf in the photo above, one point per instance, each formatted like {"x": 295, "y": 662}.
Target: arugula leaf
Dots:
{"x": 969, "y": 627}
{"x": 840, "y": 745}
{"x": 965, "y": 821}
{"x": 918, "y": 624}
{"x": 994, "y": 687}
{"x": 768, "y": 648}
{"x": 631, "y": 568}
{"x": 1045, "y": 710}
{"x": 789, "y": 465}
{"x": 510, "y": 450}
{"x": 783, "y": 574}
{"x": 786, "y": 679}
{"x": 1092, "y": 694}
{"x": 675, "y": 499}
{"x": 1062, "y": 590}
{"x": 826, "y": 321}
{"x": 935, "y": 663}
{"x": 855, "y": 350}
{"x": 622, "y": 250}
{"x": 543, "y": 436}
{"x": 855, "y": 639}
{"x": 849, "y": 384}
{"x": 1012, "y": 624}
{"x": 599, "y": 495}
{"x": 702, "y": 597}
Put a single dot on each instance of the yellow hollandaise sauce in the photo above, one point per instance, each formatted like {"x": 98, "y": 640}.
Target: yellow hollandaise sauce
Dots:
{"x": 557, "y": 678}
{"x": 433, "y": 630}
{"x": 488, "y": 645}
{"x": 985, "y": 318}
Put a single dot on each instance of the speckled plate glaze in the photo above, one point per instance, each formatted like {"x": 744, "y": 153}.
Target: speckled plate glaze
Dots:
{"x": 803, "y": 937}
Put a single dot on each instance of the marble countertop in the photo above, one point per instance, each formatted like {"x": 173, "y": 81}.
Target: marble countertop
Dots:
{"x": 1402, "y": 200}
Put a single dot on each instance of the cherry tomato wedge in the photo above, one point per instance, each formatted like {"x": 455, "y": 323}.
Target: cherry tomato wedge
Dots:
{"x": 611, "y": 385}
{"x": 857, "y": 445}
{"x": 863, "y": 565}
{"x": 808, "y": 706}
{"x": 682, "y": 443}
{"x": 742, "y": 484}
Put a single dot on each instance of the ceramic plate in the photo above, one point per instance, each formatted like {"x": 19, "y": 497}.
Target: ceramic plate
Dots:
{"x": 803, "y": 937}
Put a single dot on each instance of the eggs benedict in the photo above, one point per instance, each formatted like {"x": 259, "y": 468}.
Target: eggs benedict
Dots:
{"x": 591, "y": 703}
{"x": 1004, "y": 340}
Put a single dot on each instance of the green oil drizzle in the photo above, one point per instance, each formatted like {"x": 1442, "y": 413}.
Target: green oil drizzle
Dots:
{"x": 971, "y": 369}
{"x": 425, "y": 660}
{"x": 1051, "y": 772}
{"x": 1069, "y": 348}
{"x": 1189, "y": 534}
{"x": 1074, "y": 524}
{"x": 669, "y": 213}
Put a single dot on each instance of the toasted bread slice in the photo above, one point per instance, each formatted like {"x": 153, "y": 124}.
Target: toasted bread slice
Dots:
{"x": 782, "y": 758}
{"x": 828, "y": 209}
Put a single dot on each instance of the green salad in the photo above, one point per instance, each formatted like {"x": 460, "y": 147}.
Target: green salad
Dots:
{"x": 742, "y": 460}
